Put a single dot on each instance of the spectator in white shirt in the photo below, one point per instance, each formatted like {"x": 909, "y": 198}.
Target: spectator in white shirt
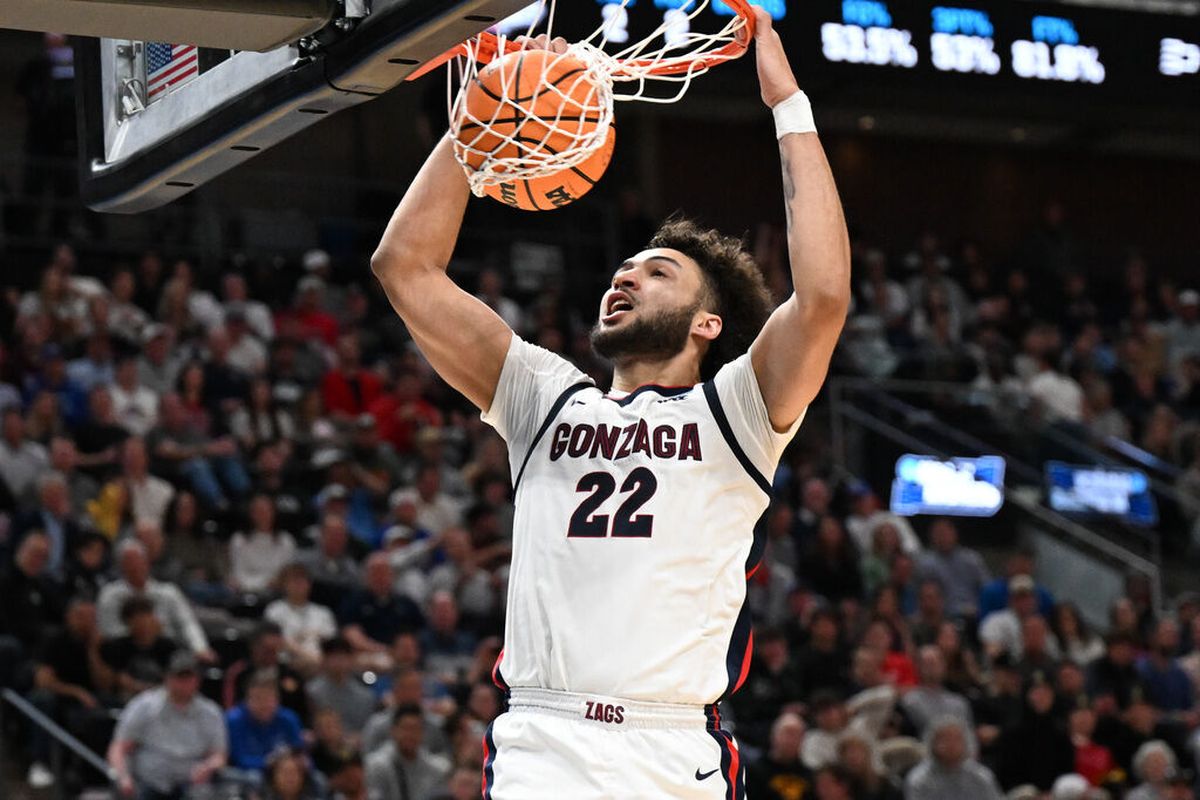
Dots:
{"x": 258, "y": 555}
{"x": 135, "y": 405}
{"x": 258, "y": 316}
{"x": 21, "y": 461}
{"x": 435, "y": 510}
{"x": 246, "y": 353}
{"x": 149, "y": 496}
{"x": 305, "y": 624}
{"x": 125, "y": 319}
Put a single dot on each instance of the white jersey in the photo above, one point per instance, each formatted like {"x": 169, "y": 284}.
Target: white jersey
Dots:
{"x": 635, "y": 529}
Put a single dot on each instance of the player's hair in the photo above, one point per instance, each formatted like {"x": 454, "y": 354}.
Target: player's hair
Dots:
{"x": 736, "y": 290}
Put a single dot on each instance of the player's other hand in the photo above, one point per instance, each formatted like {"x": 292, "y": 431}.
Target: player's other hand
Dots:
{"x": 775, "y": 78}
{"x": 542, "y": 42}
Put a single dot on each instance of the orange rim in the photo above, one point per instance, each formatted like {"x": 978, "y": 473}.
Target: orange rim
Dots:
{"x": 488, "y": 44}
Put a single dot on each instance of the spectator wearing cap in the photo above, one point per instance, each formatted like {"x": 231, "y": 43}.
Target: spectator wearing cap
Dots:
{"x": 137, "y": 660}
{"x": 337, "y": 687}
{"x": 267, "y": 656}
{"x": 169, "y": 738}
{"x": 950, "y": 771}
{"x": 373, "y": 616}
{"x": 779, "y": 774}
{"x": 159, "y": 366}
{"x": 21, "y": 460}
{"x": 960, "y": 570}
{"x": 257, "y": 315}
{"x": 349, "y": 388}
{"x": 260, "y": 552}
{"x": 994, "y": 595}
{"x": 259, "y": 726}
{"x": 1001, "y": 631}
{"x": 307, "y": 314}
{"x": 305, "y": 624}
{"x": 403, "y": 769}
{"x": 335, "y": 573}
{"x": 1183, "y": 329}
{"x": 930, "y": 699}
{"x": 177, "y": 616}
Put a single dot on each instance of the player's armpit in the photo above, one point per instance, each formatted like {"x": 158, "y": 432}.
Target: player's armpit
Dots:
{"x": 464, "y": 340}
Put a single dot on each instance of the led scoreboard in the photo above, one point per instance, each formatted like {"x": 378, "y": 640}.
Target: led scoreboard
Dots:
{"x": 951, "y": 50}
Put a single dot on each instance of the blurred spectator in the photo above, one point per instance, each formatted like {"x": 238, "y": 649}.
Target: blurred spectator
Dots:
{"x": 830, "y": 716}
{"x": 30, "y": 600}
{"x": 1037, "y": 750}
{"x": 1168, "y": 686}
{"x": 403, "y": 411}
{"x": 305, "y": 624}
{"x": 491, "y": 292}
{"x": 1076, "y": 639}
{"x": 1154, "y": 765}
{"x": 959, "y": 570}
{"x": 159, "y": 365}
{"x": 373, "y": 616}
{"x": 148, "y": 496}
{"x": 814, "y": 506}
{"x": 257, "y": 315}
{"x": 267, "y": 657}
{"x": 258, "y": 554}
{"x": 258, "y": 727}
{"x": 137, "y": 660}
{"x": 169, "y": 738}
{"x": 169, "y": 604}
{"x": 332, "y": 747}
{"x": 52, "y": 517}
{"x": 349, "y": 388}
{"x": 833, "y": 782}
{"x": 779, "y": 774}
{"x": 1093, "y": 761}
{"x": 338, "y": 688}
{"x": 408, "y": 688}
{"x": 99, "y": 438}
{"x": 245, "y": 354}
{"x": 857, "y": 756}
{"x": 21, "y": 461}
{"x": 64, "y": 459}
{"x": 994, "y": 595}
{"x": 334, "y": 571}
{"x": 435, "y": 511}
{"x": 1115, "y": 672}
{"x": 402, "y": 769}
{"x": 461, "y": 574}
{"x": 262, "y": 422}
{"x": 930, "y": 699}
{"x": 1000, "y": 632}
{"x": 950, "y": 771}
{"x": 830, "y": 563}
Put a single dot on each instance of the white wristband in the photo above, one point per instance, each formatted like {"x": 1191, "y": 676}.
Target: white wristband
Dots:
{"x": 794, "y": 115}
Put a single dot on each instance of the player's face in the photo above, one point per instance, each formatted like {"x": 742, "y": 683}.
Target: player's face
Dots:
{"x": 650, "y": 307}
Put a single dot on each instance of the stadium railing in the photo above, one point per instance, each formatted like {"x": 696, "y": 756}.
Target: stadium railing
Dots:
{"x": 61, "y": 741}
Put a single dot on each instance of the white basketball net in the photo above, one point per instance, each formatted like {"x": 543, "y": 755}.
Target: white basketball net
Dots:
{"x": 627, "y": 74}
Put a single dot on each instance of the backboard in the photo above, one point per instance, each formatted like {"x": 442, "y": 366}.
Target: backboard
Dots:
{"x": 158, "y": 119}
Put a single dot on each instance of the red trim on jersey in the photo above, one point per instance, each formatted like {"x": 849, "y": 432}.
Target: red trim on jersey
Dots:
{"x": 496, "y": 676}
{"x": 734, "y": 764}
{"x": 745, "y": 662}
{"x": 483, "y": 780}
{"x": 753, "y": 570}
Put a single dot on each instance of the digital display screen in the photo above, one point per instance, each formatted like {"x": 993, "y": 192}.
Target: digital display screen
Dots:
{"x": 1028, "y": 49}
{"x": 1101, "y": 491}
{"x": 966, "y": 487}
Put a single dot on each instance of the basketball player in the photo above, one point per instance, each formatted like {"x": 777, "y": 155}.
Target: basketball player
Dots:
{"x": 636, "y": 508}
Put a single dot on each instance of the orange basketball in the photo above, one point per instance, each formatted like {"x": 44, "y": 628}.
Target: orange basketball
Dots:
{"x": 537, "y": 84}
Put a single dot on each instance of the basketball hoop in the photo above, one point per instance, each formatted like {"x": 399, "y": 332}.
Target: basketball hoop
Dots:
{"x": 493, "y": 150}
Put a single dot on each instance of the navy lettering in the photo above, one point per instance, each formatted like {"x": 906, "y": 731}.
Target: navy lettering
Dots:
{"x": 605, "y": 442}
{"x": 558, "y": 444}
{"x": 619, "y": 717}
{"x": 581, "y": 440}
{"x": 641, "y": 441}
{"x": 627, "y": 442}
{"x": 664, "y": 442}
{"x": 689, "y": 444}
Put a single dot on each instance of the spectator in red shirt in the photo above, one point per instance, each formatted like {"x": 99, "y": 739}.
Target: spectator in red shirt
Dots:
{"x": 402, "y": 412}
{"x": 1092, "y": 761}
{"x": 349, "y": 389}
{"x": 314, "y": 320}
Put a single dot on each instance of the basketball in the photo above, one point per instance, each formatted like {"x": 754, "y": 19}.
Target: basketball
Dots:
{"x": 529, "y": 106}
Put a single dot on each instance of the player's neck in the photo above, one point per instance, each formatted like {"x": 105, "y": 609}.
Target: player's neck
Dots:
{"x": 679, "y": 370}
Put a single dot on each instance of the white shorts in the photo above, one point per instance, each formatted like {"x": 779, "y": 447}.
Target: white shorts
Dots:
{"x": 588, "y": 747}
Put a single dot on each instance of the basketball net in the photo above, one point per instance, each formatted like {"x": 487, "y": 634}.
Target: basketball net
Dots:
{"x": 666, "y": 58}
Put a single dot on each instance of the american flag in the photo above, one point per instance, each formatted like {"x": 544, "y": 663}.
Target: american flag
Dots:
{"x": 169, "y": 65}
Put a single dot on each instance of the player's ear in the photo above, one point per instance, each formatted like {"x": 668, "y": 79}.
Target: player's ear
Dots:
{"x": 707, "y": 326}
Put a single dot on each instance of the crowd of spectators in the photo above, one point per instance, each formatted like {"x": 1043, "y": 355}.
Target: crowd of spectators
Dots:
{"x": 250, "y": 541}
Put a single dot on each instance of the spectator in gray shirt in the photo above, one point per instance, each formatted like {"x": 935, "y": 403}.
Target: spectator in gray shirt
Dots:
{"x": 403, "y": 769}
{"x": 950, "y": 771}
{"x": 179, "y": 621}
{"x": 339, "y": 689}
{"x": 960, "y": 570}
{"x": 169, "y": 738}
{"x": 930, "y": 699}
{"x": 21, "y": 461}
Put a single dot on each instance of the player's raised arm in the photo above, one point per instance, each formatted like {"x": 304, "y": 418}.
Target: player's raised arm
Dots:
{"x": 791, "y": 355}
{"x": 464, "y": 340}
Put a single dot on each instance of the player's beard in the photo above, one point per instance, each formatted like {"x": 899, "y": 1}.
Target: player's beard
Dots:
{"x": 650, "y": 337}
